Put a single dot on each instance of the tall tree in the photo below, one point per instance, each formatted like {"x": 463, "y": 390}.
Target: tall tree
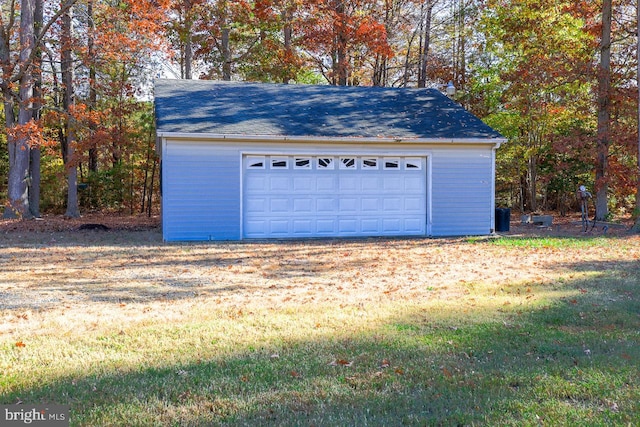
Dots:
{"x": 337, "y": 34}
{"x": 604, "y": 114}
{"x": 19, "y": 138}
{"x": 35, "y": 154}
{"x": 181, "y": 32}
{"x": 18, "y": 70}
{"x": 426, "y": 9}
{"x": 541, "y": 58}
{"x": 69, "y": 139}
{"x": 636, "y": 226}
{"x": 276, "y": 56}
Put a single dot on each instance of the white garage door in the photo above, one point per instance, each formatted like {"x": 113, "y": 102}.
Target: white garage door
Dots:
{"x": 323, "y": 196}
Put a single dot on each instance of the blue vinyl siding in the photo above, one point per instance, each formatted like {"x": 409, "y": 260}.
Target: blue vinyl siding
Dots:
{"x": 461, "y": 191}
{"x": 201, "y": 192}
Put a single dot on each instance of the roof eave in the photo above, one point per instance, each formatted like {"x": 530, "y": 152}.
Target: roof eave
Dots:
{"x": 364, "y": 140}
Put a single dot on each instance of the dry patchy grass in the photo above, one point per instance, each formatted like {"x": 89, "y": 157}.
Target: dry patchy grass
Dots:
{"x": 53, "y": 275}
{"x": 82, "y": 280}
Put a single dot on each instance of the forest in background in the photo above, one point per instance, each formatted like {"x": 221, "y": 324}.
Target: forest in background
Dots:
{"x": 558, "y": 78}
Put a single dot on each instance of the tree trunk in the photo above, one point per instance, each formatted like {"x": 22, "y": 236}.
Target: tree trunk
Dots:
{"x": 340, "y": 67}
{"x": 288, "y": 35}
{"x": 604, "y": 115}
{"x": 426, "y": 37}
{"x": 188, "y": 42}
{"x": 532, "y": 183}
{"x": 636, "y": 226}
{"x": 67, "y": 101}
{"x": 93, "y": 93}
{"x": 226, "y": 54}
{"x": 18, "y": 145}
{"x": 153, "y": 177}
{"x": 34, "y": 164}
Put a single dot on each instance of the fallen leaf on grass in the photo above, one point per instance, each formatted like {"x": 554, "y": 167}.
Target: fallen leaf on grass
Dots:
{"x": 20, "y": 344}
{"x": 399, "y": 371}
{"x": 446, "y": 372}
{"x": 295, "y": 374}
{"x": 341, "y": 362}
{"x": 385, "y": 363}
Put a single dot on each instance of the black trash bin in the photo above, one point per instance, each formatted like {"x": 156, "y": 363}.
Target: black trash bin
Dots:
{"x": 503, "y": 218}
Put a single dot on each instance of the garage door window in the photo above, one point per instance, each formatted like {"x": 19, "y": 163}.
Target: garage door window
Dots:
{"x": 413, "y": 164}
{"x": 370, "y": 163}
{"x": 347, "y": 163}
{"x": 325, "y": 163}
{"x": 302, "y": 163}
{"x": 391, "y": 164}
{"x": 279, "y": 163}
{"x": 255, "y": 162}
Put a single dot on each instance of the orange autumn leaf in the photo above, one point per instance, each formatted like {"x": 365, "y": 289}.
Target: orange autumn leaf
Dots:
{"x": 20, "y": 344}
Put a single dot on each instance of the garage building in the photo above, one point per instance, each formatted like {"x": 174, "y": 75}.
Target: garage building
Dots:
{"x": 260, "y": 161}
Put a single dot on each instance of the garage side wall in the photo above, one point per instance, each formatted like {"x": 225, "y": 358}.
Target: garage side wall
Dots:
{"x": 462, "y": 187}
{"x": 200, "y": 191}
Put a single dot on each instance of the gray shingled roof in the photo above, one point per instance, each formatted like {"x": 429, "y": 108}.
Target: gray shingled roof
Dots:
{"x": 258, "y": 109}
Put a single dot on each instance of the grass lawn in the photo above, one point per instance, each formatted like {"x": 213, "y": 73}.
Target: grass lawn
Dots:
{"x": 500, "y": 331}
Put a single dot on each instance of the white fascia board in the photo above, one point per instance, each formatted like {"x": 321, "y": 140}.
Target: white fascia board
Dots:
{"x": 342, "y": 140}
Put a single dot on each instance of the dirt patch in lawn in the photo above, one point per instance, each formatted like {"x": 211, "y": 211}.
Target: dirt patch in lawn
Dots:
{"x": 89, "y": 222}
{"x": 53, "y": 274}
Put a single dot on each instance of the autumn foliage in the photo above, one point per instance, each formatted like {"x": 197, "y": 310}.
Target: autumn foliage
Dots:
{"x": 528, "y": 67}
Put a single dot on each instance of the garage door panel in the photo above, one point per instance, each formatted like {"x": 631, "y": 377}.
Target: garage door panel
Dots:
{"x": 348, "y": 205}
{"x": 326, "y": 183}
{"x": 256, "y": 183}
{"x": 370, "y": 204}
{"x": 370, "y": 184}
{"x": 364, "y": 198}
{"x": 279, "y": 227}
{"x": 392, "y": 204}
{"x": 348, "y": 183}
{"x": 348, "y": 226}
{"x": 393, "y": 183}
{"x": 279, "y": 205}
{"x": 326, "y": 226}
{"x": 413, "y": 225}
{"x": 303, "y": 227}
{"x": 413, "y": 204}
{"x": 279, "y": 183}
{"x": 256, "y": 228}
{"x": 326, "y": 205}
{"x": 391, "y": 225}
{"x": 303, "y": 184}
{"x": 256, "y": 205}
{"x": 370, "y": 225}
{"x": 413, "y": 184}
{"x": 303, "y": 205}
